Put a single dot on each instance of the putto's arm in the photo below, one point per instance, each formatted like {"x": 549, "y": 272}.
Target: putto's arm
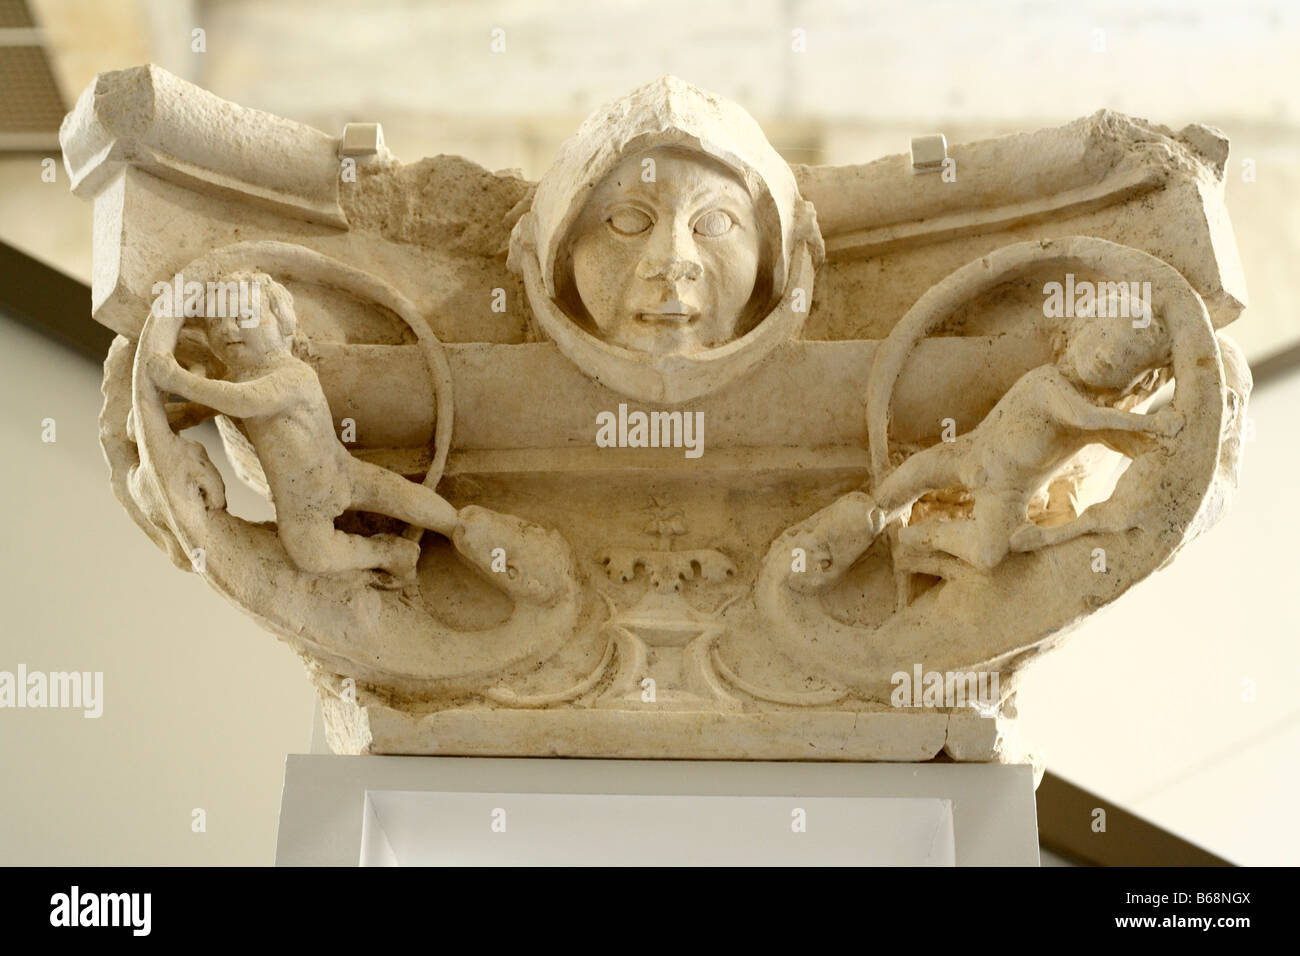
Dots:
{"x": 183, "y": 415}
{"x": 263, "y": 396}
{"x": 1081, "y": 413}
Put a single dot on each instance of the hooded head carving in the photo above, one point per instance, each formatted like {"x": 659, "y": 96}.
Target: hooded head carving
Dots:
{"x": 667, "y": 224}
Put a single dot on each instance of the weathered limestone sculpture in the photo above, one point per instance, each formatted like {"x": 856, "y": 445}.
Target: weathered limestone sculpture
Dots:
{"x": 306, "y": 470}
{"x": 681, "y": 505}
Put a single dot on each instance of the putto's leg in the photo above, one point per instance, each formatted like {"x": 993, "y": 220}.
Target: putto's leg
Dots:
{"x": 320, "y": 548}
{"x": 932, "y": 469}
{"x": 383, "y": 492}
{"x": 998, "y": 513}
{"x": 956, "y": 536}
{"x": 982, "y": 541}
{"x": 1099, "y": 519}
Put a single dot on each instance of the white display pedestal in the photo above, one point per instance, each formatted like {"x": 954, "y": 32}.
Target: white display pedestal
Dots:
{"x": 386, "y": 811}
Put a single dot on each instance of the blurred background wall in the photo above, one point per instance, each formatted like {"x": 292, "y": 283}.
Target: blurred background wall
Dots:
{"x": 1149, "y": 704}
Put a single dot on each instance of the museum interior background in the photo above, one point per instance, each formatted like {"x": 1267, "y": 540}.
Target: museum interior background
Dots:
{"x": 1195, "y": 730}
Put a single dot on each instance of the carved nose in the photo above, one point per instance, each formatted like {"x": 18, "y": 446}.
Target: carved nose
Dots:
{"x": 675, "y": 269}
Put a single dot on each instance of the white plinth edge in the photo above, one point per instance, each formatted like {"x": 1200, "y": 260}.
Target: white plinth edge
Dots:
{"x": 349, "y": 811}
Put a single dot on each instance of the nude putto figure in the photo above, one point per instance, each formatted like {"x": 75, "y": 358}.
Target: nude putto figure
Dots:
{"x": 1049, "y": 414}
{"x": 313, "y": 477}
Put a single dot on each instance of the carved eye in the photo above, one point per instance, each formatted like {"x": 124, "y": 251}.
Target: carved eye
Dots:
{"x": 629, "y": 222}
{"x": 713, "y": 224}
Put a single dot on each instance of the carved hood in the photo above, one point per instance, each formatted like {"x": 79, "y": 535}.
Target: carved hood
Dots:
{"x": 669, "y": 112}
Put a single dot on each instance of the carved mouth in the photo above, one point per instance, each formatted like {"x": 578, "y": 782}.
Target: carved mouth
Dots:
{"x": 677, "y": 315}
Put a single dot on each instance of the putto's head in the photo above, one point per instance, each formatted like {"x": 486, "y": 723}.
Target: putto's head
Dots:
{"x": 1110, "y": 353}
{"x": 667, "y": 224}
{"x": 267, "y": 327}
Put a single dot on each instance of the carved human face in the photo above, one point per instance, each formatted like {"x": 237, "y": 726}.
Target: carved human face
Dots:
{"x": 239, "y": 342}
{"x": 667, "y": 266}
